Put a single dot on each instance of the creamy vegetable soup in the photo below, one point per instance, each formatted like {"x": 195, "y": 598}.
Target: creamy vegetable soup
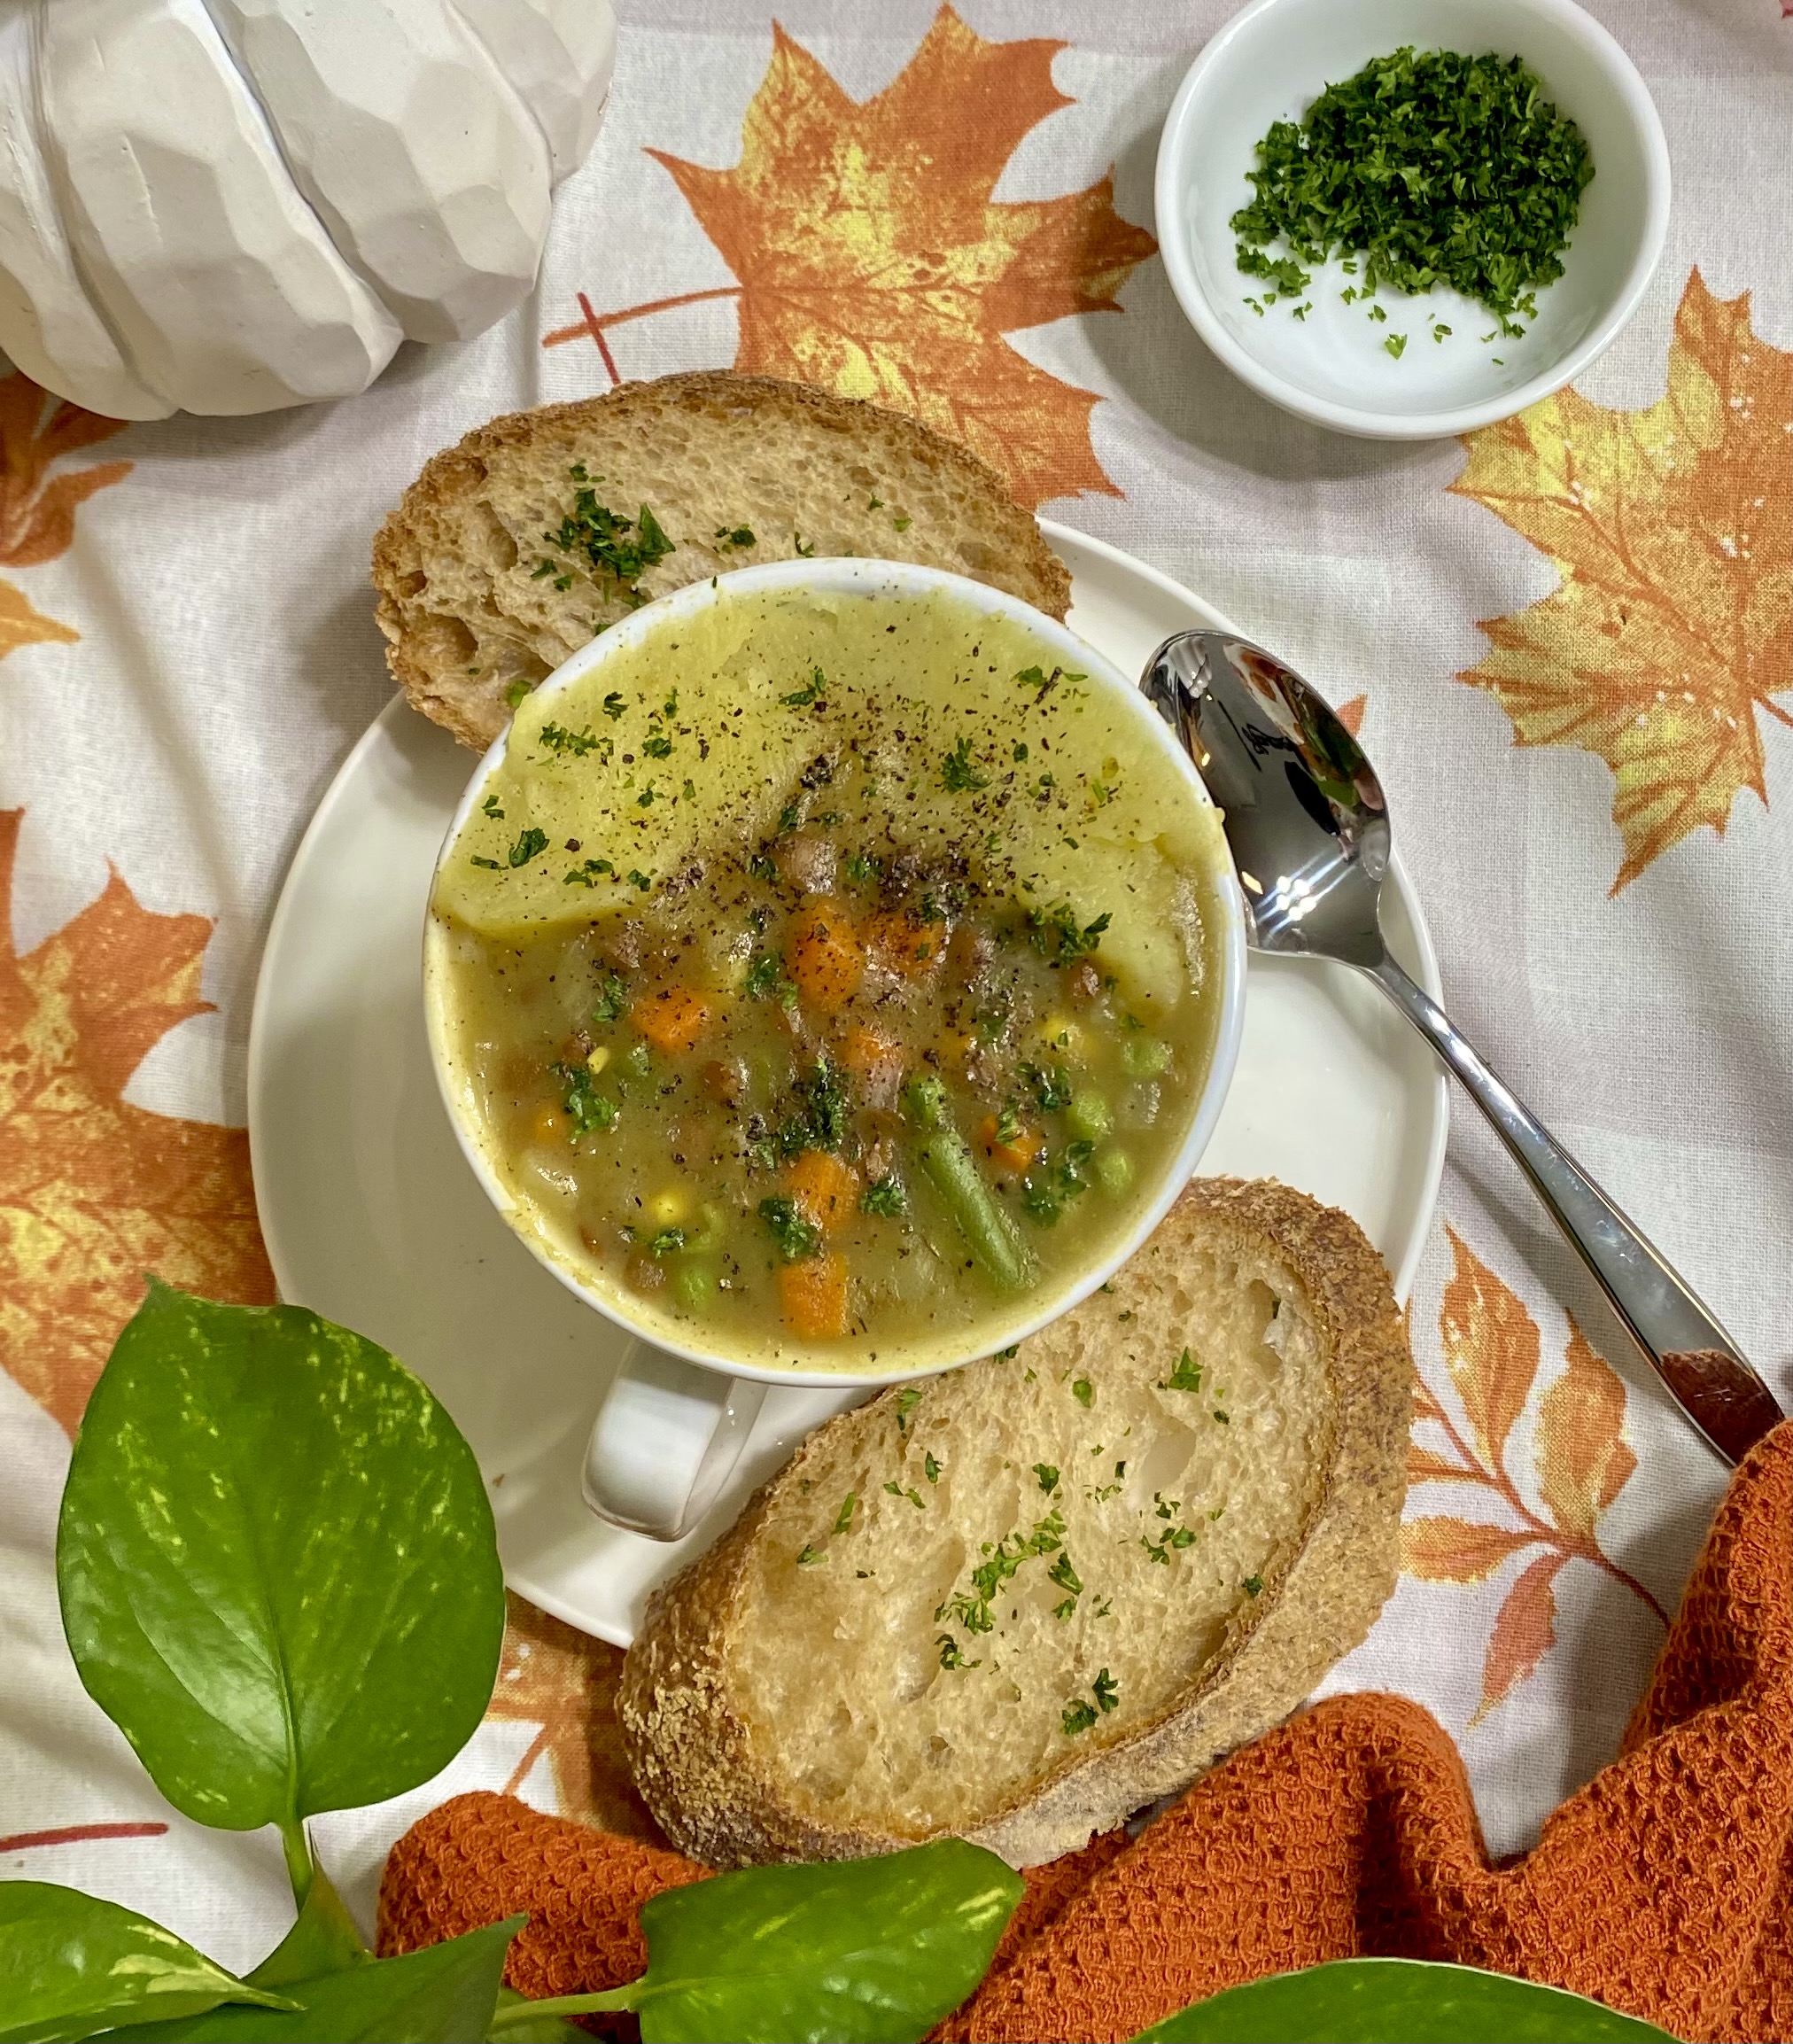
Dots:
{"x": 829, "y": 974}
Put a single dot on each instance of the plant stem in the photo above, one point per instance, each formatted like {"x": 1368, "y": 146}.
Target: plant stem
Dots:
{"x": 521, "y": 2012}
{"x": 299, "y": 1869}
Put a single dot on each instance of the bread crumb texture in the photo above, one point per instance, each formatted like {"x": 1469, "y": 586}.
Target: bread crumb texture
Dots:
{"x": 1020, "y": 1600}
{"x": 481, "y": 600}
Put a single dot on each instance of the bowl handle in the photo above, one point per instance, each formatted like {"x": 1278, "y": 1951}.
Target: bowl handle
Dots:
{"x": 666, "y": 1439}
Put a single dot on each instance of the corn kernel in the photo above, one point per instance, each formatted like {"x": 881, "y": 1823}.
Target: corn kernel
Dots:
{"x": 599, "y": 1059}
{"x": 1059, "y": 1033}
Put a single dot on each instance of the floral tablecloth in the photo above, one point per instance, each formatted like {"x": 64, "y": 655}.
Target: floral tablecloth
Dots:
{"x": 1568, "y": 641}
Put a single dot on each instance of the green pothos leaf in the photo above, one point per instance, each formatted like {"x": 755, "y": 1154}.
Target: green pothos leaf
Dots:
{"x": 278, "y": 1573}
{"x": 857, "y": 1952}
{"x": 1398, "y": 2001}
{"x": 71, "y": 1964}
{"x": 323, "y": 1940}
{"x": 444, "y": 1994}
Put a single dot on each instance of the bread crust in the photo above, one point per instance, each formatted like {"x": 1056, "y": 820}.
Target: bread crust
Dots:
{"x": 1009, "y": 552}
{"x": 693, "y": 1753}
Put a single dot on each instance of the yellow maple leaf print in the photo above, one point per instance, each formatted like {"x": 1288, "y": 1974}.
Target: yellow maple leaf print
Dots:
{"x": 22, "y": 623}
{"x": 94, "y": 1190}
{"x": 1673, "y": 529}
{"x": 872, "y": 260}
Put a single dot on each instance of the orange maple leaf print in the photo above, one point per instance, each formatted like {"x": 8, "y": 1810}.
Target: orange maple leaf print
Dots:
{"x": 94, "y": 1191}
{"x": 564, "y": 1682}
{"x": 1581, "y": 1462}
{"x": 37, "y": 509}
{"x": 1672, "y": 629}
{"x": 872, "y": 260}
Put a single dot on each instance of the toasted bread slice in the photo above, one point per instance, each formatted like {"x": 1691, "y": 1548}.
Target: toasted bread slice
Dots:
{"x": 735, "y": 470}
{"x": 1019, "y": 1601}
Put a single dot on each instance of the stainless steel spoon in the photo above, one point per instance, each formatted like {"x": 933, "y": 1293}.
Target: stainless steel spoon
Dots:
{"x": 1308, "y": 829}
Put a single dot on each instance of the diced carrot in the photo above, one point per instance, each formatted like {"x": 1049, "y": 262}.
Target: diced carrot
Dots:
{"x": 824, "y": 1189}
{"x": 903, "y": 945}
{"x": 813, "y": 1296}
{"x": 877, "y": 1061}
{"x": 1014, "y": 1153}
{"x": 823, "y": 955}
{"x": 546, "y": 1122}
{"x": 671, "y": 1020}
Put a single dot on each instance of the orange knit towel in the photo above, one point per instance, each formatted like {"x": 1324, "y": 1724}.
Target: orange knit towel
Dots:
{"x": 1665, "y": 1887}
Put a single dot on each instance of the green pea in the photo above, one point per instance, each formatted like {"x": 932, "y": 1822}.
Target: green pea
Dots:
{"x": 694, "y": 1286}
{"x": 1088, "y": 1116}
{"x": 1145, "y": 1057}
{"x": 1113, "y": 1170}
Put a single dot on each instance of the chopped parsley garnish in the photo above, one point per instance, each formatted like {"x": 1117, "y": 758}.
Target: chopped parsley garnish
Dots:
{"x": 562, "y": 742}
{"x": 491, "y": 865}
{"x": 959, "y": 773}
{"x": 585, "y": 1106}
{"x": 736, "y": 536}
{"x": 1177, "y": 1537}
{"x": 822, "y": 1120}
{"x": 1434, "y": 168}
{"x": 862, "y": 867}
{"x": 515, "y": 691}
{"x": 804, "y": 552}
{"x": 762, "y": 976}
{"x": 1051, "y": 1085}
{"x": 1067, "y": 1580}
{"x": 1186, "y": 1376}
{"x": 1048, "y": 1477}
{"x": 1078, "y": 1717}
{"x": 604, "y": 539}
{"x": 930, "y": 1468}
{"x": 1040, "y": 1203}
{"x": 810, "y": 1556}
{"x": 886, "y": 1198}
{"x": 1108, "y": 1691}
{"x": 1396, "y": 345}
{"x": 1056, "y": 934}
{"x": 529, "y": 842}
{"x": 614, "y": 706}
{"x": 843, "y": 1518}
{"x": 490, "y": 806}
{"x": 797, "y": 1238}
{"x": 1083, "y": 1392}
{"x": 657, "y": 747}
{"x": 613, "y": 999}
{"x": 914, "y": 1497}
{"x": 1253, "y": 1586}
{"x": 812, "y": 691}
{"x": 907, "y": 1399}
{"x": 665, "y": 1241}
{"x": 951, "y": 1653}
{"x": 972, "y": 1609}
{"x": 1224, "y": 1418}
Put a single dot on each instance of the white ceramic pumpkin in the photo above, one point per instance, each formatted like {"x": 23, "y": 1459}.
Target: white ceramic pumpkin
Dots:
{"x": 229, "y": 206}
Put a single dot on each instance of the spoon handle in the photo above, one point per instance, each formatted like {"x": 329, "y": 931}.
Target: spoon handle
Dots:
{"x": 1690, "y": 1352}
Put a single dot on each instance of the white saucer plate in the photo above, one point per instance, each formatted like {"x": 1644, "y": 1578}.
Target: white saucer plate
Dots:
{"x": 372, "y": 1216}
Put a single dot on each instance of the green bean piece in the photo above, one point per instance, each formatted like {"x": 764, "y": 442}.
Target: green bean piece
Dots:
{"x": 694, "y": 1286}
{"x": 1088, "y": 1116}
{"x": 989, "y": 1228}
{"x": 1145, "y": 1057}
{"x": 1113, "y": 1170}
